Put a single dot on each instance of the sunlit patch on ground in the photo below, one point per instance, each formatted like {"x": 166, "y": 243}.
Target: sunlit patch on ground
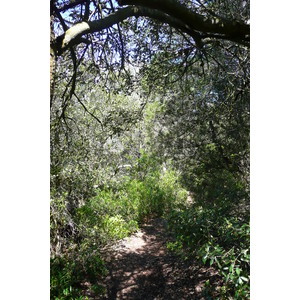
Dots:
{"x": 142, "y": 268}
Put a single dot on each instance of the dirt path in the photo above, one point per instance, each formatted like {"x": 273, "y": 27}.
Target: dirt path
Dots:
{"x": 142, "y": 268}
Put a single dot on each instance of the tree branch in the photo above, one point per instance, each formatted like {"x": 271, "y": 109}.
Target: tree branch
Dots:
{"x": 195, "y": 21}
{"x": 121, "y": 38}
{"x": 96, "y": 118}
{"x": 71, "y": 5}
{"x": 86, "y": 10}
{"x": 62, "y": 21}
{"x": 229, "y": 30}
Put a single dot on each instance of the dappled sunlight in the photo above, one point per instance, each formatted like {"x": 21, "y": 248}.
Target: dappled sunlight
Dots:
{"x": 150, "y": 149}
{"x": 133, "y": 243}
{"x": 142, "y": 268}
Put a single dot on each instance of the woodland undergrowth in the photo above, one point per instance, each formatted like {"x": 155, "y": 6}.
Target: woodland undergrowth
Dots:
{"x": 212, "y": 234}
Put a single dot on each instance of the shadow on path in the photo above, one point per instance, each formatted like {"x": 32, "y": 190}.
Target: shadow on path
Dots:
{"x": 142, "y": 268}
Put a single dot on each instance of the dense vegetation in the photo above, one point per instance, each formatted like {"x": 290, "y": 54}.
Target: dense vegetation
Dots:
{"x": 141, "y": 116}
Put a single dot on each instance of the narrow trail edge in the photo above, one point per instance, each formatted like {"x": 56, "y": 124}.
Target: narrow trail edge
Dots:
{"x": 141, "y": 267}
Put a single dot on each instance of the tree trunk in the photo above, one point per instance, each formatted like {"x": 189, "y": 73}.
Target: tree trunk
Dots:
{"x": 52, "y": 59}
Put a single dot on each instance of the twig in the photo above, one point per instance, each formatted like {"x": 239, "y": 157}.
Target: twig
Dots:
{"x": 88, "y": 110}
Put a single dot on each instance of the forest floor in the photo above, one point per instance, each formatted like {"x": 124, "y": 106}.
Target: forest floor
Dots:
{"x": 141, "y": 267}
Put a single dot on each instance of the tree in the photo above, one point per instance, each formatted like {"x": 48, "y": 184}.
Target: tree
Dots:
{"x": 204, "y": 124}
{"x": 90, "y": 22}
{"x": 192, "y": 55}
{"x": 141, "y": 92}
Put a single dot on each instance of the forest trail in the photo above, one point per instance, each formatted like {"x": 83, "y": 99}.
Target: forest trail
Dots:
{"x": 142, "y": 268}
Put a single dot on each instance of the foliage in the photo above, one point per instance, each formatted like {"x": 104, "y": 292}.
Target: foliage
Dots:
{"x": 214, "y": 239}
{"x": 139, "y": 110}
{"x": 113, "y": 213}
{"x": 69, "y": 271}
{"x": 61, "y": 223}
{"x": 148, "y": 192}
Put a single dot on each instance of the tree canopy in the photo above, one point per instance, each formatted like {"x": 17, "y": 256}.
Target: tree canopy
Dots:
{"x": 118, "y": 26}
{"x": 149, "y": 103}
{"x": 194, "y": 18}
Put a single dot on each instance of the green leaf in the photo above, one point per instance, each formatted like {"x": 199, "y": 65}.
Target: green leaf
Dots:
{"x": 244, "y": 278}
{"x": 227, "y": 278}
{"x": 218, "y": 263}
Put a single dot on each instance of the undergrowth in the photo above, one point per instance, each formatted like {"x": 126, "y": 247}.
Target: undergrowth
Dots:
{"x": 214, "y": 231}
{"x": 111, "y": 214}
{"x": 217, "y": 234}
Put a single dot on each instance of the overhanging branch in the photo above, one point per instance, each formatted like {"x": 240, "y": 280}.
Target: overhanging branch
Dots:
{"x": 73, "y": 35}
{"x": 195, "y": 21}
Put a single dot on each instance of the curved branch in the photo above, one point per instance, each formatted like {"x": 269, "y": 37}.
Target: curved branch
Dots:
{"x": 72, "y": 35}
{"x": 195, "y": 21}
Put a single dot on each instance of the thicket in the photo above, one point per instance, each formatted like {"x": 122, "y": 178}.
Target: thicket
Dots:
{"x": 214, "y": 233}
{"x": 105, "y": 184}
{"x": 217, "y": 233}
{"x": 204, "y": 129}
{"x": 139, "y": 115}
{"x": 112, "y": 213}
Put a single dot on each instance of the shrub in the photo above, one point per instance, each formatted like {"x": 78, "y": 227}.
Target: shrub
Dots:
{"x": 67, "y": 272}
{"x": 214, "y": 239}
{"x": 111, "y": 214}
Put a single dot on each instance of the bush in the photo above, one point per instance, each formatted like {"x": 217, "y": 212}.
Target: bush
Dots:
{"x": 111, "y": 214}
{"x": 69, "y": 271}
{"x": 214, "y": 239}
{"x": 62, "y": 226}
